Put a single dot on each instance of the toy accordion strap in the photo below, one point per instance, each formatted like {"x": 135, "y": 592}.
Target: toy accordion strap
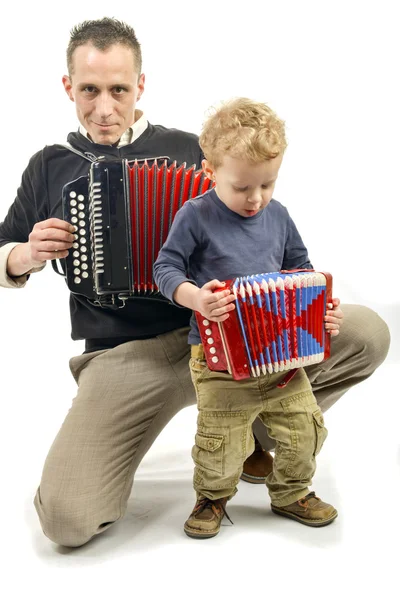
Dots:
{"x": 278, "y": 324}
{"x": 123, "y": 214}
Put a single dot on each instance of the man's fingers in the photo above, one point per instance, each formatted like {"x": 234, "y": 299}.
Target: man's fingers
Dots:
{"x": 54, "y": 223}
{"x": 59, "y": 235}
{"x": 55, "y": 246}
{"x": 42, "y": 256}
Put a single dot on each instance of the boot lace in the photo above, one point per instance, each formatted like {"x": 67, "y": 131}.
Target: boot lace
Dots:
{"x": 215, "y": 505}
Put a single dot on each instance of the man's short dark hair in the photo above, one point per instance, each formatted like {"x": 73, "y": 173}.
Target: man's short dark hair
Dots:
{"x": 104, "y": 33}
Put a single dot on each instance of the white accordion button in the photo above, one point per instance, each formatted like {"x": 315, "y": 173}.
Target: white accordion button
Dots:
{"x": 83, "y": 249}
{"x": 77, "y": 271}
{"x": 76, "y": 254}
{"x": 82, "y": 232}
{"x": 205, "y": 322}
{"x": 208, "y": 332}
{"x": 84, "y": 257}
{"x": 72, "y": 194}
{"x": 210, "y": 341}
{"x": 81, "y": 215}
{"x": 215, "y": 359}
{"x": 84, "y": 266}
{"x": 212, "y": 350}
{"x": 83, "y": 241}
{"x": 73, "y": 203}
{"x": 81, "y": 223}
{"x": 73, "y": 211}
{"x": 85, "y": 275}
{"x": 76, "y": 263}
{"x": 74, "y": 220}
{"x": 77, "y": 280}
{"x": 75, "y": 245}
{"x": 81, "y": 197}
{"x": 81, "y": 206}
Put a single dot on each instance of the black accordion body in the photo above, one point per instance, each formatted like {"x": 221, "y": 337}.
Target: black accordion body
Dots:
{"x": 123, "y": 214}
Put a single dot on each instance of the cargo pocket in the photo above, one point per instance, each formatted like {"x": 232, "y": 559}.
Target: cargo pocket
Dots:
{"x": 320, "y": 431}
{"x": 208, "y": 453}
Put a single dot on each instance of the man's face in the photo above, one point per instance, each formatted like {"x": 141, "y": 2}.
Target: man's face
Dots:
{"x": 105, "y": 87}
{"x": 244, "y": 187}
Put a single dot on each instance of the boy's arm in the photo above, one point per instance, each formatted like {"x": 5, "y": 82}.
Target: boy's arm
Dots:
{"x": 295, "y": 254}
{"x": 172, "y": 264}
{"x": 171, "y": 271}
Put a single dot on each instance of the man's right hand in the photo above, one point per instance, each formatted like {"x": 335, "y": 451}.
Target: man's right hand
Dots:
{"x": 48, "y": 240}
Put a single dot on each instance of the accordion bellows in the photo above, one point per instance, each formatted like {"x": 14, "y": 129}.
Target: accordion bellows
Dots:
{"x": 123, "y": 214}
{"x": 278, "y": 324}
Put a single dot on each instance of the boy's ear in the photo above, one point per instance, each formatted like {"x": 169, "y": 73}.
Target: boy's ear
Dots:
{"x": 208, "y": 169}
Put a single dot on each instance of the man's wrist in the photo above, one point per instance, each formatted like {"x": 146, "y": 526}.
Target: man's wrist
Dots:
{"x": 18, "y": 263}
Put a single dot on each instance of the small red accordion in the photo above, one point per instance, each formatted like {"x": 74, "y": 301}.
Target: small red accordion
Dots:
{"x": 123, "y": 214}
{"x": 278, "y": 324}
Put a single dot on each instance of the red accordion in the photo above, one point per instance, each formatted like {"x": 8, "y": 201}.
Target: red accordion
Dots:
{"x": 123, "y": 214}
{"x": 278, "y": 324}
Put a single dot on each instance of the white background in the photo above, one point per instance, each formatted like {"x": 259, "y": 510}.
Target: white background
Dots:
{"x": 330, "y": 69}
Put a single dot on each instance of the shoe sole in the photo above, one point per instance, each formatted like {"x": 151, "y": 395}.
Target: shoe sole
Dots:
{"x": 193, "y": 533}
{"x": 308, "y": 522}
{"x": 252, "y": 478}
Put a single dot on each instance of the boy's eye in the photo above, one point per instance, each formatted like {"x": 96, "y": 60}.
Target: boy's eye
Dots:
{"x": 240, "y": 189}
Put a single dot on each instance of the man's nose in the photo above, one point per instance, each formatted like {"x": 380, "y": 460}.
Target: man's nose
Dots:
{"x": 104, "y": 105}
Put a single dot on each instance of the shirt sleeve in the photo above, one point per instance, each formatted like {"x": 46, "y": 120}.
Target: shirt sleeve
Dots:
{"x": 296, "y": 254}
{"x": 12, "y": 282}
{"x": 172, "y": 265}
{"x": 22, "y": 215}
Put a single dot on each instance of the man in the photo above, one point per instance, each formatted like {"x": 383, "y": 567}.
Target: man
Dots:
{"x": 133, "y": 377}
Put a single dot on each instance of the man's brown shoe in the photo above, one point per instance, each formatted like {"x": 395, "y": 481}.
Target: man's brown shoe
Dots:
{"x": 309, "y": 510}
{"x": 206, "y": 517}
{"x": 258, "y": 466}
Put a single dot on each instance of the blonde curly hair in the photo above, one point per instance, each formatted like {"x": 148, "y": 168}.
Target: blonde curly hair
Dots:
{"x": 242, "y": 128}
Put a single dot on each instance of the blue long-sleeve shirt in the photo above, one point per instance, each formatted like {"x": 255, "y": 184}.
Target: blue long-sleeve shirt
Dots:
{"x": 209, "y": 241}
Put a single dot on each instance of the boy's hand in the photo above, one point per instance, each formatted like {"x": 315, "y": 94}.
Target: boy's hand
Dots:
{"x": 334, "y": 317}
{"x": 215, "y": 306}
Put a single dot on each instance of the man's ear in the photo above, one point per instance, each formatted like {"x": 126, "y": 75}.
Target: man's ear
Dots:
{"x": 68, "y": 87}
{"x": 208, "y": 169}
{"x": 141, "y": 82}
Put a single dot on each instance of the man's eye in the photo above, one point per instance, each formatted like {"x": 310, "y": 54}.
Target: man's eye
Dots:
{"x": 119, "y": 90}
{"x": 90, "y": 89}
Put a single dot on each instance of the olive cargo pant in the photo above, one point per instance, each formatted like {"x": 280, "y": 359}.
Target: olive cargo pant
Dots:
{"x": 224, "y": 438}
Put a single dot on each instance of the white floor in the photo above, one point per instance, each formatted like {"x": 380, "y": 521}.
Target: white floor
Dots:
{"x": 147, "y": 555}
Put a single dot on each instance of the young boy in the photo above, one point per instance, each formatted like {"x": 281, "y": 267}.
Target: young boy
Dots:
{"x": 232, "y": 230}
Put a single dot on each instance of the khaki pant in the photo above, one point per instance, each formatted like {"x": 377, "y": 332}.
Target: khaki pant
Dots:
{"x": 128, "y": 394}
{"x": 224, "y": 438}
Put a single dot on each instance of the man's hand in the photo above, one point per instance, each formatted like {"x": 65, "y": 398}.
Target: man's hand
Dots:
{"x": 215, "y": 306}
{"x": 48, "y": 240}
{"x": 334, "y": 317}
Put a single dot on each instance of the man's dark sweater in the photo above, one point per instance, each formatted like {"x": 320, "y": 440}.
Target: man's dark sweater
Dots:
{"x": 209, "y": 241}
{"x": 39, "y": 198}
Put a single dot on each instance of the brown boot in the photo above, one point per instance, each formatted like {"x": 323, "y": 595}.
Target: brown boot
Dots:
{"x": 258, "y": 466}
{"x": 206, "y": 517}
{"x": 309, "y": 510}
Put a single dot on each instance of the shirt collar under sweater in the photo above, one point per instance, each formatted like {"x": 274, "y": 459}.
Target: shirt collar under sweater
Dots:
{"x": 131, "y": 134}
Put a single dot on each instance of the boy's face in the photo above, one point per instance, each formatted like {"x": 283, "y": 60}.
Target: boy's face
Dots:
{"x": 244, "y": 187}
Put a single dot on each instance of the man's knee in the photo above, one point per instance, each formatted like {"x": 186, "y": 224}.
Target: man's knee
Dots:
{"x": 67, "y": 522}
{"x": 367, "y": 332}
